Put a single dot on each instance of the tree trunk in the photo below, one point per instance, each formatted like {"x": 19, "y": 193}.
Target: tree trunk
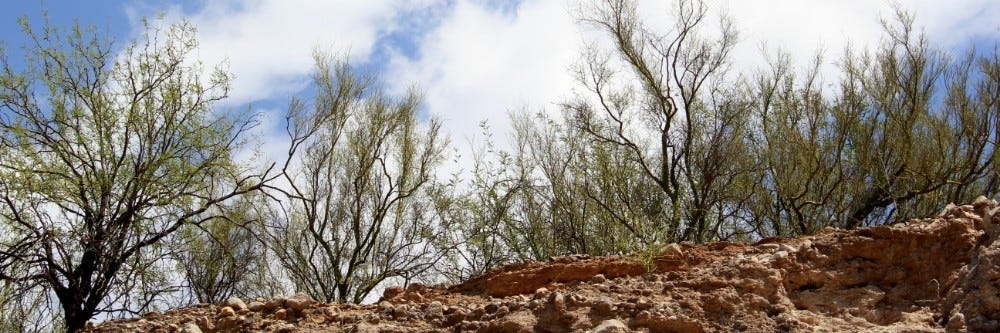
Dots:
{"x": 75, "y": 316}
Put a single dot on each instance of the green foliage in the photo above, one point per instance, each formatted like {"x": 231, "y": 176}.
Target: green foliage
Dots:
{"x": 906, "y": 131}
{"x": 667, "y": 107}
{"x": 665, "y": 145}
{"x": 116, "y": 176}
{"x": 647, "y": 257}
{"x": 226, "y": 257}
{"x": 24, "y": 310}
{"x": 357, "y": 214}
{"x": 107, "y": 152}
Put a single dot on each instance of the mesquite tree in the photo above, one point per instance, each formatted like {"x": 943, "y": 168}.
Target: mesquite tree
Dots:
{"x": 667, "y": 106}
{"x": 226, "y": 257}
{"x": 105, "y": 152}
{"x": 356, "y": 213}
{"x": 906, "y": 130}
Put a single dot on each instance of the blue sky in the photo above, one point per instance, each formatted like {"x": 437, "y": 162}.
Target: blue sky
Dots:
{"x": 474, "y": 59}
{"x": 104, "y": 13}
{"x": 98, "y": 12}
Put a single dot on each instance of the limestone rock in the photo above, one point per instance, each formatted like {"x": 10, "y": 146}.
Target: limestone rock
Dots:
{"x": 611, "y": 326}
{"x": 190, "y": 328}
{"x": 226, "y": 311}
{"x": 927, "y": 275}
{"x": 255, "y": 306}
{"x": 236, "y": 303}
{"x": 299, "y": 301}
{"x": 672, "y": 250}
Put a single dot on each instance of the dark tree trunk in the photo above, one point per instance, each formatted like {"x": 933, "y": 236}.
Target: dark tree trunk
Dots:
{"x": 75, "y": 312}
{"x": 75, "y": 320}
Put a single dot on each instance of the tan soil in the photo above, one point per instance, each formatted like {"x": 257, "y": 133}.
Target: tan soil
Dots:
{"x": 927, "y": 275}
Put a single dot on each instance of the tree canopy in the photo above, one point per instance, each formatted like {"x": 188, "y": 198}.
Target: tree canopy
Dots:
{"x": 120, "y": 193}
{"x": 105, "y": 153}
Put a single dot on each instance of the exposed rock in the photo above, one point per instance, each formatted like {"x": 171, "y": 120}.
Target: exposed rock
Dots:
{"x": 957, "y": 321}
{"x": 284, "y": 328}
{"x": 226, "y": 312}
{"x": 235, "y": 303}
{"x": 391, "y": 292}
{"x": 672, "y": 250}
{"x": 603, "y": 307}
{"x": 281, "y": 314}
{"x": 611, "y": 326}
{"x": 974, "y": 297}
{"x": 557, "y": 301}
{"x": 927, "y": 275}
{"x": 299, "y": 301}
{"x": 434, "y": 310}
{"x": 190, "y": 328}
{"x": 518, "y": 323}
{"x": 206, "y": 324}
{"x": 274, "y": 304}
{"x": 255, "y": 306}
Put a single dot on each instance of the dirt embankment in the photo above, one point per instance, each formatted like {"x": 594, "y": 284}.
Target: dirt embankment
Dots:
{"x": 927, "y": 275}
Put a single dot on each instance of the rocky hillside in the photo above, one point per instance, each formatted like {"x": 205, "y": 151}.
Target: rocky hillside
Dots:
{"x": 927, "y": 275}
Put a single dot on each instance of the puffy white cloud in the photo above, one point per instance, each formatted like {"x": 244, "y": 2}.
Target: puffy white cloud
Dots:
{"x": 475, "y": 59}
{"x": 480, "y": 62}
{"x": 268, "y": 44}
{"x": 481, "y": 51}
{"x": 803, "y": 28}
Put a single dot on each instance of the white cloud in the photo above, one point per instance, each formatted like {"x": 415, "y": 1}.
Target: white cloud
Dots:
{"x": 480, "y": 62}
{"x": 479, "y": 53}
{"x": 268, "y": 44}
{"x": 803, "y": 28}
{"x": 475, "y": 61}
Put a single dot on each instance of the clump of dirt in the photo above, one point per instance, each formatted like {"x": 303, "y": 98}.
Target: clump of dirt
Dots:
{"x": 926, "y": 275}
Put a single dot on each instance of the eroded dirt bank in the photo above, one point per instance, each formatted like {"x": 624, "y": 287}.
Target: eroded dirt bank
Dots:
{"x": 927, "y": 275}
